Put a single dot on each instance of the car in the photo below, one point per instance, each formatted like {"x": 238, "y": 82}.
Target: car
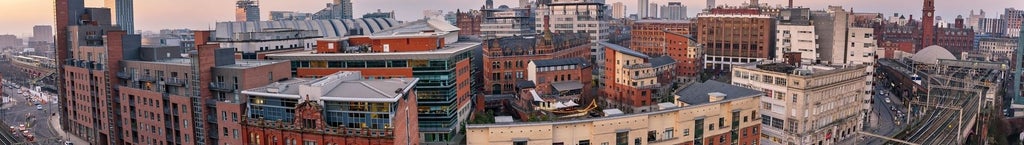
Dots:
{"x": 887, "y": 100}
{"x": 893, "y": 108}
{"x": 39, "y": 107}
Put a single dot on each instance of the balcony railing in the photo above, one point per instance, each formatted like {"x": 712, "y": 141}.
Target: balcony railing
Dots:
{"x": 174, "y": 81}
{"x": 221, "y": 86}
{"x": 147, "y": 78}
{"x": 124, "y": 75}
{"x": 643, "y": 76}
{"x": 341, "y": 131}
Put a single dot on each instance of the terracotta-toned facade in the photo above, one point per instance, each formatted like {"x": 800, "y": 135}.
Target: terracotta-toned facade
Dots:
{"x": 434, "y": 53}
{"x": 352, "y": 117}
{"x": 956, "y": 38}
{"x": 731, "y": 37}
{"x": 469, "y": 22}
{"x": 671, "y": 38}
{"x": 506, "y": 59}
{"x": 633, "y": 80}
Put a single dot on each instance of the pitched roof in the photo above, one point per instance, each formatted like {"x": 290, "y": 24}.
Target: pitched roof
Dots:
{"x": 560, "y": 62}
{"x": 697, "y": 93}
{"x": 662, "y": 60}
{"x": 623, "y": 50}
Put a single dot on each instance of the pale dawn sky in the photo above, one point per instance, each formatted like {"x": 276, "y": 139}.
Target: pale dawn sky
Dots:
{"x": 18, "y": 16}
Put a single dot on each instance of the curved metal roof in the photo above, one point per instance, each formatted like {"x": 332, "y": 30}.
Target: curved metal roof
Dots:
{"x": 932, "y": 54}
{"x": 327, "y": 28}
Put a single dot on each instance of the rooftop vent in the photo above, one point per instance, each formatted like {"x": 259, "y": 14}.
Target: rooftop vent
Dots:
{"x": 716, "y": 96}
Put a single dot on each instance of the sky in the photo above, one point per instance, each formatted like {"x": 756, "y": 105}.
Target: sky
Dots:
{"x": 18, "y": 16}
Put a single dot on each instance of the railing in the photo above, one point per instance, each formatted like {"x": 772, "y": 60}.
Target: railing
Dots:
{"x": 643, "y": 76}
{"x": 221, "y": 86}
{"x": 174, "y": 81}
{"x": 636, "y": 66}
{"x": 124, "y": 75}
{"x": 341, "y": 131}
{"x": 147, "y": 78}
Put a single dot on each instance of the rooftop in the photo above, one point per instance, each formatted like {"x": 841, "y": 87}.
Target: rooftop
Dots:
{"x": 423, "y": 26}
{"x": 697, "y": 93}
{"x": 239, "y": 63}
{"x": 624, "y": 50}
{"x": 662, "y": 60}
{"x": 341, "y": 86}
{"x": 561, "y": 62}
{"x": 662, "y": 21}
{"x": 802, "y": 70}
{"x": 443, "y": 53}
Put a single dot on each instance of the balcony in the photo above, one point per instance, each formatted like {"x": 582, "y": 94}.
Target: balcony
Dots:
{"x": 124, "y": 75}
{"x": 147, "y": 78}
{"x": 643, "y": 76}
{"x": 221, "y": 86}
{"x": 174, "y": 81}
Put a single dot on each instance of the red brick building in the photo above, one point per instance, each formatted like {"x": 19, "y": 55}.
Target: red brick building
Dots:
{"x": 669, "y": 38}
{"x": 735, "y": 36}
{"x": 956, "y": 38}
{"x": 469, "y": 22}
{"x": 635, "y": 81}
{"x": 427, "y": 49}
{"x": 338, "y": 109}
{"x": 506, "y": 59}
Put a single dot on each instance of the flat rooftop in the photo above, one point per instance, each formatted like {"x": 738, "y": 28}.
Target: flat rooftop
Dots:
{"x": 239, "y": 63}
{"x": 697, "y": 93}
{"x": 444, "y": 53}
{"x": 802, "y": 70}
{"x": 341, "y": 86}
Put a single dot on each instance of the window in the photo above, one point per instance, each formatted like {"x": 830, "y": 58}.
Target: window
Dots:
{"x": 669, "y": 133}
{"x": 519, "y": 143}
{"x": 686, "y": 132}
{"x": 652, "y": 136}
{"x": 622, "y": 138}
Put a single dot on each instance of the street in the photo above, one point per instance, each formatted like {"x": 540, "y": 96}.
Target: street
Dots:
{"x": 882, "y": 120}
{"x": 20, "y": 110}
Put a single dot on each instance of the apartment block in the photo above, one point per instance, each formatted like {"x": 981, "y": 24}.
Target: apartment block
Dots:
{"x": 669, "y": 38}
{"x": 42, "y": 33}
{"x": 504, "y": 21}
{"x": 713, "y": 113}
{"x": 559, "y": 86}
{"x": 998, "y": 47}
{"x": 341, "y": 108}
{"x": 735, "y": 36}
{"x": 806, "y": 104}
{"x": 506, "y": 59}
{"x": 428, "y": 49}
{"x": 635, "y": 82}
{"x": 256, "y": 45}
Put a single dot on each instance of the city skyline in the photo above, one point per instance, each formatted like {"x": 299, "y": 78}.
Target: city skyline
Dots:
{"x": 151, "y": 15}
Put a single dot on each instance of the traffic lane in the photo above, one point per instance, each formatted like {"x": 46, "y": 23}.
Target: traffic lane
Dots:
{"x": 25, "y": 112}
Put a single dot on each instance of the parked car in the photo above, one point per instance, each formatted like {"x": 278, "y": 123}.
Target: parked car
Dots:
{"x": 887, "y": 100}
{"x": 39, "y": 107}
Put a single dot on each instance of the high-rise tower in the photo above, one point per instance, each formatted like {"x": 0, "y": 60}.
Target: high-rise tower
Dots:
{"x": 247, "y": 10}
{"x": 123, "y": 14}
{"x": 928, "y": 23}
{"x": 66, "y": 14}
{"x": 641, "y": 8}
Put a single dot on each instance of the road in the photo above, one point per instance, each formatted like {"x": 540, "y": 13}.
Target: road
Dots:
{"x": 882, "y": 120}
{"x": 20, "y": 110}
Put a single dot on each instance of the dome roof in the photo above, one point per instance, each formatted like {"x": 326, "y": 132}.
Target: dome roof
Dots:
{"x": 932, "y": 54}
